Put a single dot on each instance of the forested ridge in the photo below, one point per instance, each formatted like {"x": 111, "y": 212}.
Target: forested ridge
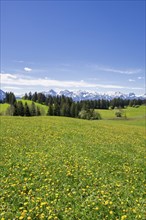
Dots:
{"x": 64, "y": 106}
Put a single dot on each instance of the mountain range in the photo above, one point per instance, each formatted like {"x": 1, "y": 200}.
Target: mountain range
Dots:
{"x": 86, "y": 95}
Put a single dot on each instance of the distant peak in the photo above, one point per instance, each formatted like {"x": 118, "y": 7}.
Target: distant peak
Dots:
{"x": 92, "y": 95}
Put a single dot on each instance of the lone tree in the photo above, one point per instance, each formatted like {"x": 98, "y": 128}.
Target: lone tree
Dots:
{"x": 119, "y": 112}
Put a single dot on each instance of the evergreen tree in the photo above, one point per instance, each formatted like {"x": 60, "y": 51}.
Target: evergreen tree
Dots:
{"x": 29, "y": 96}
{"x": 15, "y": 113}
{"x": 50, "y": 110}
{"x": 56, "y": 109}
{"x": 38, "y": 112}
{"x": 41, "y": 98}
{"x": 46, "y": 101}
{"x": 77, "y": 109}
{"x": 20, "y": 108}
{"x": 25, "y": 96}
{"x": 10, "y": 98}
{"x": 72, "y": 110}
{"x": 34, "y": 97}
{"x": 63, "y": 109}
{"x": 33, "y": 109}
{"x": 26, "y": 110}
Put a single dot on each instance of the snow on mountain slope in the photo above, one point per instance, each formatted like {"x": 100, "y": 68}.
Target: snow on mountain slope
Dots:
{"x": 2, "y": 95}
{"x": 85, "y": 95}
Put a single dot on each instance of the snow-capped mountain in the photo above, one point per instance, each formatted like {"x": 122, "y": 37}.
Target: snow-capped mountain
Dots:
{"x": 85, "y": 95}
{"x": 51, "y": 92}
{"x": 2, "y": 95}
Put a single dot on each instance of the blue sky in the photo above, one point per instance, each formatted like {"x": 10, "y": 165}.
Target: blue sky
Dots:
{"x": 87, "y": 45}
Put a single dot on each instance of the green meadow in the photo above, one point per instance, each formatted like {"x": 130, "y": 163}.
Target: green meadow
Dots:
{"x": 130, "y": 112}
{"x": 43, "y": 108}
{"x": 3, "y": 108}
{"x": 63, "y": 168}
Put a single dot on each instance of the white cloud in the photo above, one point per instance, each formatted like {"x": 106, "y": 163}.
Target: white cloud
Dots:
{"x": 27, "y": 69}
{"x": 131, "y": 80}
{"x": 127, "y": 72}
{"x": 140, "y": 77}
{"x": 15, "y": 80}
{"x": 7, "y": 76}
{"x": 11, "y": 87}
{"x": 27, "y": 83}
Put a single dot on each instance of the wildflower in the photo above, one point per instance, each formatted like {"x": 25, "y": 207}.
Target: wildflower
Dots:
{"x": 106, "y": 202}
{"x": 96, "y": 208}
{"x": 111, "y": 212}
{"x": 123, "y": 217}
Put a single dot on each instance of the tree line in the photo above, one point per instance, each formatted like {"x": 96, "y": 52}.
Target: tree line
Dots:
{"x": 64, "y": 106}
{"x": 93, "y": 104}
{"x": 20, "y": 109}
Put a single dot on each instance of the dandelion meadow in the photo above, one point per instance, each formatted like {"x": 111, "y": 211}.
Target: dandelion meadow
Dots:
{"x": 69, "y": 169}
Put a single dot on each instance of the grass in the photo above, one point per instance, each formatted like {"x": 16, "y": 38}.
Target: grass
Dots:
{"x": 131, "y": 113}
{"x": 139, "y": 112}
{"x": 43, "y": 108}
{"x": 69, "y": 169}
{"x": 3, "y": 108}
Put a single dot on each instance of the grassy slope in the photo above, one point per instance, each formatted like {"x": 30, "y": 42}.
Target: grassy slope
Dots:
{"x": 43, "y": 108}
{"x": 135, "y": 116}
{"x": 130, "y": 112}
{"x": 136, "y": 112}
{"x": 65, "y": 168}
{"x": 3, "y": 108}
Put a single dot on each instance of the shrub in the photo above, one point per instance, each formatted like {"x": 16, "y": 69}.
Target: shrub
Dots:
{"x": 89, "y": 114}
{"x": 118, "y": 114}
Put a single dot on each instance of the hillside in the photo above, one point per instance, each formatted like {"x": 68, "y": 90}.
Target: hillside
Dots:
{"x": 130, "y": 112}
{"x": 136, "y": 114}
{"x": 43, "y": 108}
{"x": 65, "y": 168}
{"x": 3, "y": 108}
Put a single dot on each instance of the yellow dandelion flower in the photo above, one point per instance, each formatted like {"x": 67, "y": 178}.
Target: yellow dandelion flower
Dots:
{"x": 111, "y": 212}
{"x": 21, "y": 208}
{"x": 96, "y": 208}
{"x": 106, "y": 202}
{"x": 123, "y": 217}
